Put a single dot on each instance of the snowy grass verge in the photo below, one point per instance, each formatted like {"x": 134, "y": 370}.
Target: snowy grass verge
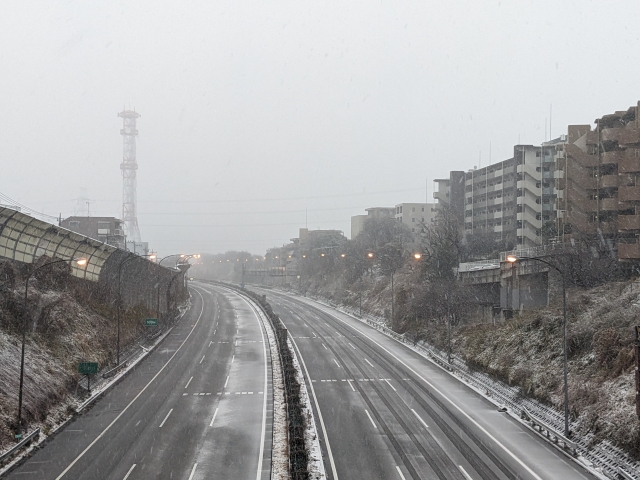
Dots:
{"x": 315, "y": 462}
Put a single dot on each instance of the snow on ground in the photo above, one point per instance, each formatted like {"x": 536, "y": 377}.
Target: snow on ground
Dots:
{"x": 316, "y": 465}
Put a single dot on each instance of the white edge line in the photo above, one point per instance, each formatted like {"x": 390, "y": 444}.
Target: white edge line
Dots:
{"x": 129, "y": 472}
{"x": 64, "y": 472}
{"x": 193, "y": 471}
{"x": 226, "y": 381}
{"x": 214, "y": 418}
{"x": 372, "y": 422}
{"x": 188, "y": 381}
{"x": 315, "y": 400}
{"x": 400, "y": 473}
{"x": 464, "y": 472}
{"x": 165, "y": 418}
{"x": 420, "y": 418}
{"x": 437, "y": 390}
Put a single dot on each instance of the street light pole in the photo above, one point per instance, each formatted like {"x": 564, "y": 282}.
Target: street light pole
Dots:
{"x": 512, "y": 259}
{"x": 81, "y": 262}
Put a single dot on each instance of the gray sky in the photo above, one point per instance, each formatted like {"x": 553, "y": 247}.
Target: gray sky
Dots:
{"x": 253, "y": 111}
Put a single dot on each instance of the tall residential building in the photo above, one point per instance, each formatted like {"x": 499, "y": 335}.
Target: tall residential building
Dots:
{"x": 599, "y": 182}
{"x": 450, "y": 192}
{"x": 514, "y": 200}
{"x": 413, "y": 215}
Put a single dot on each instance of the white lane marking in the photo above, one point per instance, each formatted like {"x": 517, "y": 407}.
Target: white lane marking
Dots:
{"x": 314, "y": 334}
{"x": 325, "y": 347}
{"x": 368, "y": 362}
{"x": 419, "y": 418}
{"x": 264, "y": 403}
{"x": 64, "y": 472}
{"x": 394, "y": 389}
{"x": 193, "y": 471}
{"x": 129, "y": 472}
{"x": 214, "y": 332}
{"x": 336, "y": 362}
{"x": 439, "y": 392}
{"x": 226, "y": 381}
{"x": 201, "y": 359}
{"x": 315, "y": 400}
{"x": 351, "y": 385}
{"x": 466, "y": 475}
{"x": 138, "y": 423}
{"x": 233, "y": 357}
{"x": 400, "y": 473}
{"x": 352, "y": 346}
{"x": 210, "y": 342}
{"x": 188, "y": 382}
{"x": 165, "y": 418}
{"x": 214, "y": 418}
{"x": 372, "y": 422}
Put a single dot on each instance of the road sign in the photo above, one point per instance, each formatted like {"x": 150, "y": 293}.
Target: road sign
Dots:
{"x": 151, "y": 322}
{"x": 88, "y": 368}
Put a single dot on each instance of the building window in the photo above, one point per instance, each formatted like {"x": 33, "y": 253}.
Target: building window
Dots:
{"x": 413, "y": 220}
{"x": 73, "y": 225}
{"x": 413, "y": 209}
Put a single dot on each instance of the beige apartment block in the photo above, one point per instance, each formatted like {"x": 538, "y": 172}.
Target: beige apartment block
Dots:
{"x": 414, "y": 215}
{"x": 358, "y": 221}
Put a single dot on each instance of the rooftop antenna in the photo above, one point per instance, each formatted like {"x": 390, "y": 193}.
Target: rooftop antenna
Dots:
{"x": 129, "y": 166}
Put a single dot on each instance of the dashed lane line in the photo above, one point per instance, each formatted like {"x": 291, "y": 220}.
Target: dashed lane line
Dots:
{"x": 165, "y": 418}
{"x": 214, "y": 418}
{"x": 188, "y": 382}
{"x": 193, "y": 471}
{"x": 464, "y": 472}
{"x": 420, "y": 418}
{"x": 400, "y": 473}
{"x": 372, "y": 422}
{"x": 129, "y": 472}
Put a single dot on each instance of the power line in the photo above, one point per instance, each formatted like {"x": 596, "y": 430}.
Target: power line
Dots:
{"x": 23, "y": 208}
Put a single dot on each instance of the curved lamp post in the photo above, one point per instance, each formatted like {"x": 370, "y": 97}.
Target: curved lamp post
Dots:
{"x": 80, "y": 262}
{"x": 131, "y": 256}
{"x": 513, "y": 259}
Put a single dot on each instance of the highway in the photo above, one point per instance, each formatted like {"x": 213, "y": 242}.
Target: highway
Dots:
{"x": 199, "y": 406}
{"x": 385, "y": 412}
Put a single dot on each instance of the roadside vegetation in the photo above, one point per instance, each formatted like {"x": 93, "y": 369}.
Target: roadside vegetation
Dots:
{"x": 68, "y": 321}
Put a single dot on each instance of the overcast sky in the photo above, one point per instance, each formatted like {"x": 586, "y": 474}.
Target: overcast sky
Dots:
{"x": 253, "y": 111}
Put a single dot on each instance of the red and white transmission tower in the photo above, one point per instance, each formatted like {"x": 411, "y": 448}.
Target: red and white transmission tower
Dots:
{"x": 129, "y": 167}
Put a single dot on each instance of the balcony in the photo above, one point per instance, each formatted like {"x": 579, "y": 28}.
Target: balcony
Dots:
{"x": 629, "y": 136}
{"x": 581, "y": 157}
{"x": 609, "y": 204}
{"x": 629, "y": 194}
{"x": 609, "y": 181}
{"x": 628, "y": 251}
{"x": 558, "y": 174}
{"x": 628, "y": 222}
{"x": 630, "y": 163}
{"x": 615, "y": 156}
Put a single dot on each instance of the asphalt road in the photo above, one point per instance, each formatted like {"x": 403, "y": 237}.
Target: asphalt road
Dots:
{"x": 385, "y": 412}
{"x": 199, "y": 406}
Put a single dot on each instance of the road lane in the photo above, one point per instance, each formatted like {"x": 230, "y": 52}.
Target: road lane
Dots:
{"x": 158, "y": 422}
{"x": 428, "y": 424}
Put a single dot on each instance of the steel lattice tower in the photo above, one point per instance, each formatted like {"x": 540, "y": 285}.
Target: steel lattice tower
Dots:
{"x": 129, "y": 167}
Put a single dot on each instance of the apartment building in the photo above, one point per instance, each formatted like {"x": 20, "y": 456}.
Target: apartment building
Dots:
{"x": 450, "y": 192}
{"x": 357, "y": 221}
{"x": 514, "y": 200}
{"x": 598, "y": 181}
{"x": 413, "y": 215}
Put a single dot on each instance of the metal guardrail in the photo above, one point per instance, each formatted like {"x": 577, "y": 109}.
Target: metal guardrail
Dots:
{"x": 18, "y": 446}
{"x": 550, "y": 432}
{"x": 622, "y": 473}
{"x": 479, "y": 265}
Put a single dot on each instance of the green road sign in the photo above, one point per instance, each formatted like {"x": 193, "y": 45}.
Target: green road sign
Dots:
{"x": 151, "y": 322}
{"x": 88, "y": 368}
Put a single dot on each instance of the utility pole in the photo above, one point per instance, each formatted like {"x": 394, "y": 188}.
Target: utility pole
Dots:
{"x": 637, "y": 352}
